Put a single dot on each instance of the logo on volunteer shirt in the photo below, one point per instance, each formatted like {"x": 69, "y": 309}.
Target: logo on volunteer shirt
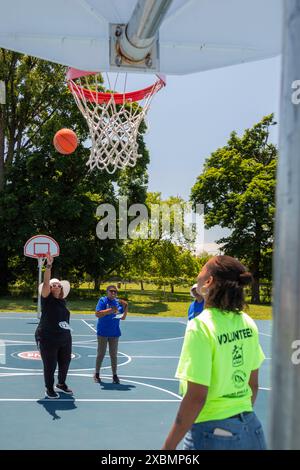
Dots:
{"x": 237, "y": 356}
{"x": 239, "y": 378}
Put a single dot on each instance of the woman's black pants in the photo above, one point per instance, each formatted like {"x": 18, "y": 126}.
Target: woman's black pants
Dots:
{"x": 55, "y": 353}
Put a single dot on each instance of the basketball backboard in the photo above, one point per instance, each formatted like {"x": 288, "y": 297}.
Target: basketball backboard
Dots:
{"x": 40, "y": 245}
{"x": 195, "y": 35}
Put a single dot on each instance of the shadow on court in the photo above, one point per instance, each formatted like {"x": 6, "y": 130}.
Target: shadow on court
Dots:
{"x": 52, "y": 406}
{"x": 119, "y": 387}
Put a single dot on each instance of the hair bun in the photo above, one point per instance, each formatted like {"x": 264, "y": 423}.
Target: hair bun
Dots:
{"x": 245, "y": 278}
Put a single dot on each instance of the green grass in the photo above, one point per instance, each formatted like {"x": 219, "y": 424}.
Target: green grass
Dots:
{"x": 260, "y": 312}
{"x": 150, "y": 302}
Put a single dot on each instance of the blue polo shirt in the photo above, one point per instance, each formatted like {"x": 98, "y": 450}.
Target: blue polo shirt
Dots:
{"x": 109, "y": 325}
{"x": 195, "y": 309}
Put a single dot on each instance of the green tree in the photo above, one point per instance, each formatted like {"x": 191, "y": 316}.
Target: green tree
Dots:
{"x": 43, "y": 191}
{"x": 31, "y": 102}
{"x": 137, "y": 260}
{"x": 171, "y": 224}
{"x": 237, "y": 188}
{"x": 164, "y": 229}
{"x": 171, "y": 264}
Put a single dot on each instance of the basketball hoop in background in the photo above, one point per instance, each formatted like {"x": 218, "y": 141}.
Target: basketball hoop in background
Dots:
{"x": 113, "y": 117}
{"x": 39, "y": 247}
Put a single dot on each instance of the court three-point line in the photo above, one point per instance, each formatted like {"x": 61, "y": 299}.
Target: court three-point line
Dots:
{"x": 89, "y": 325}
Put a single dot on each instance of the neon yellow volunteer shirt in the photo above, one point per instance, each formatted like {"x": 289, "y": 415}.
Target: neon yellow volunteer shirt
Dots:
{"x": 220, "y": 350}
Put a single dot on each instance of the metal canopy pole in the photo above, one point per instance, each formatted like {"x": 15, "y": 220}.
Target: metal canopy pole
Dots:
{"x": 285, "y": 402}
{"x": 141, "y": 30}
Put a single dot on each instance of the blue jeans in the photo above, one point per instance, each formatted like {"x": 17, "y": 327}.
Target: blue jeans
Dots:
{"x": 246, "y": 429}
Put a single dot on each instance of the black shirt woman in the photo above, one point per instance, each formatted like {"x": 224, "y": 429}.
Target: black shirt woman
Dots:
{"x": 53, "y": 334}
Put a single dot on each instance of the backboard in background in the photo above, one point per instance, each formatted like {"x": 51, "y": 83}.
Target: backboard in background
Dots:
{"x": 40, "y": 245}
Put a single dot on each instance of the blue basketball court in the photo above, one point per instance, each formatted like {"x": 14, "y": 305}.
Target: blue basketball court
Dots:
{"x": 136, "y": 414}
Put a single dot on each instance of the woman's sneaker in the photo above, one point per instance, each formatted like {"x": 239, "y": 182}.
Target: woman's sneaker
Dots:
{"x": 116, "y": 379}
{"x": 97, "y": 378}
{"x": 50, "y": 393}
{"x": 64, "y": 388}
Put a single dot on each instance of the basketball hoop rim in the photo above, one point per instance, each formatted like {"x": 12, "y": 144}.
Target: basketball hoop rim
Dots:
{"x": 102, "y": 97}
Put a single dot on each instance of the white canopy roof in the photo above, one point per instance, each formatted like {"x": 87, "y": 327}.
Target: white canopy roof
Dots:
{"x": 195, "y": 35}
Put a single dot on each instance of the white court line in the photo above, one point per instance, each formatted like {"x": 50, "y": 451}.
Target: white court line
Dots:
{"x": 91, "y": 400}
{"x": 12, "y": 374}
{"x": 142, "y": 383}
{"x": 34, "y": 318}
{"x": 156, "y": 357}
{"x": 18, "y": 318}
{"x": 148, "y": 320}
{"x": 32, "y": 334}
{"x": 122, "y": 342}
{"x": 122, "y": 364}
{"x": 145, "y": 357}
{"x": 92, "y": 317}
{"x": 90, "y": 326}
{"x": 140, "y": 377}
{"x": 41, "y": 370}
{"x": 178, "y": 397}
{"x": 18, "y": 334}
{"x": 9, "y": 342}
{"x": 19, "y": 374}
{"x": 85, "y": 343}
{"x": 122, "y": 377}
{"x": 152, "y": 340}
{"x": 133, "y": 341}
{"x": 107, "y": 356}
{"x": 79, "y": 344}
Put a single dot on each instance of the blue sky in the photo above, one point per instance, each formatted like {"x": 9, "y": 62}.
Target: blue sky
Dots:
{"x": 194, "y": 115}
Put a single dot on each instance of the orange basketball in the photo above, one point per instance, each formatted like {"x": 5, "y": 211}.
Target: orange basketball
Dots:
{"x": 65, "y": 141}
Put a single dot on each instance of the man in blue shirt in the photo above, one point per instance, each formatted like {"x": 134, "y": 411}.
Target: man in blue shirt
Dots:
{"x": 109, "y": 311}
{"x": 197, "y": 306}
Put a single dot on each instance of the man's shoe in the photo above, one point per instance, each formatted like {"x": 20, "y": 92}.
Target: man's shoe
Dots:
{"x": 64, "y": 388}
{"x": 97, "y": 378}
{"x": 50, "y": 393}
{"x": 116, "y": 379}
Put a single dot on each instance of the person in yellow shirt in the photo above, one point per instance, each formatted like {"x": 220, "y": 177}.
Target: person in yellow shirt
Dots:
{"x": 218, "y": 366}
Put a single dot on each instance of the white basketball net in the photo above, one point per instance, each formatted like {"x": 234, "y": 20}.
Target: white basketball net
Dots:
{"x": 114, "y": 128}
